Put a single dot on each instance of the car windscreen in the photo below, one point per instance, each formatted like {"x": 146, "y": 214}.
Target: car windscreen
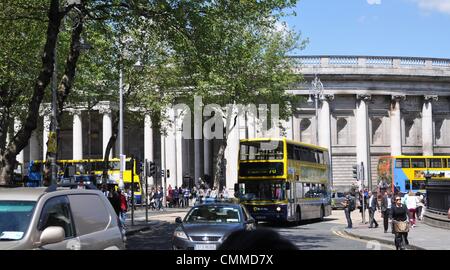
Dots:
{"x": 213, "y": 214}
{"x": 15, "y": 217}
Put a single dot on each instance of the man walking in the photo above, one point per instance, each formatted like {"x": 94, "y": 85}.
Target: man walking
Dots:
{"x": 386, "y": 204}
{"x": 349, "y": 206}
{"x": 373, "y": 206}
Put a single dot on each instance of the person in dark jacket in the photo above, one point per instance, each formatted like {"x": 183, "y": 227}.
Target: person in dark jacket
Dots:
{"x": 386, "y": 205}
{"x": 399, "y": 212}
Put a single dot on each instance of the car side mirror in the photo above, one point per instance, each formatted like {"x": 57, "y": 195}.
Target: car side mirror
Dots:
{"x": 178, "y": 220}
{"x": 250, "y": 221}
{"x": 52, "y": 234}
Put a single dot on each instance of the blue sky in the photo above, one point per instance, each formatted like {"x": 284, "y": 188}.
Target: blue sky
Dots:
{"x": 374, "y": 27}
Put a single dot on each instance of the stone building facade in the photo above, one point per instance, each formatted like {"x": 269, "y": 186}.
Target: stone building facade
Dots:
{"x": 370, "y": 107}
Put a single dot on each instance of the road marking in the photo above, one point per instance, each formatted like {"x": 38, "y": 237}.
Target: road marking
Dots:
{"x": 370, "y": 244}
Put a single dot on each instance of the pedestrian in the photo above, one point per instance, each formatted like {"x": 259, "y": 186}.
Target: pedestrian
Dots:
{"x": 175, "y": 197}
{"x": 180, "y": 197}
{"x": 411, "y": 204}
{"x": 349, "y": 206}
{"x": 123, "y": 210}
{"x": 225, "y": 194}
{"x": 373, "y": 207}
{"x": 420, "y": 205}
{"x": 194, "y": 195}
{"x": 186, "y": 195}
{"x": 386, "y": 205}
{"x": 400, "y": 226}
{"x": 169, "y": 197}
{"x": 363, "y": 205}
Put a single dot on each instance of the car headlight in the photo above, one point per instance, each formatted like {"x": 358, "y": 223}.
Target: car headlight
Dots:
{"x": 278, "y": 209}
{"x": 180, "y": 234}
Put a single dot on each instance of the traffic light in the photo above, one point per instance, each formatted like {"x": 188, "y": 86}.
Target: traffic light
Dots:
{"x": 355, "y": 171}
{"x": 151, "y": 168}
{"x": 168, "y": 174}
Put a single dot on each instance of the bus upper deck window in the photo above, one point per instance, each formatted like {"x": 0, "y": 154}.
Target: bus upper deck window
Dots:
{"x": 418, "y": 163}
{"x": 435, "y": 163}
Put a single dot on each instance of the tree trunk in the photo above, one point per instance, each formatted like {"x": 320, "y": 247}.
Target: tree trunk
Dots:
{"x": 114, "y": 135}
{"x": 111, "y": 142}
{"x": 223, "y": 146}
{"x": 20, "y": 140}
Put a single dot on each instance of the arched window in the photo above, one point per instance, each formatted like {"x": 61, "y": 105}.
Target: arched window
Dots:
{"x": 305, "y": 130}
{"x": 342, "y": 131}
{"x": 377, "y": 132}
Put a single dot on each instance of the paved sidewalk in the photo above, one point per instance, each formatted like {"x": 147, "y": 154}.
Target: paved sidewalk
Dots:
{"x": 154, "y": 218}
{"x": 420, "y": 237}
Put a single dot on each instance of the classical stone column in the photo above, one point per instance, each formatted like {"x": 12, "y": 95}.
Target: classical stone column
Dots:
{"x": 170, "y": 154}
{"x": 45, "y": 130}
{"x": 179, "y": 148}
{"x": 427, "y": 124}
{"x": 287, "y": 128}
{"x": 207, "y": 157}
{"x": 231, "y": 157}
{"x": 77, "y": 135}
{"x": 107, "y": 129}
{"x": 251, "y": 125}
{"x": 362, "y": 136}
{"x": 34, "y": 146}
{"x": 198, "y": 161}
{"x": 148, "y": 138}
{"x": 324, "y": 125}
{"x": 396, "y": 128}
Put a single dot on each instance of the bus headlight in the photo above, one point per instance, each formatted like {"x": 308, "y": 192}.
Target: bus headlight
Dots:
{"x": 278, "y": 209}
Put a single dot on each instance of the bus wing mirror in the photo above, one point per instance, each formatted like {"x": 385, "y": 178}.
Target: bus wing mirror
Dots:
{"x": 288, "y": 185}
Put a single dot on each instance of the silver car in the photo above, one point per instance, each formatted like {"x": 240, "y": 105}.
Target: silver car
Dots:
{"x": 337, "y": 198}
{"x": 206, "y": 226}
{"x": 57, "y": 218}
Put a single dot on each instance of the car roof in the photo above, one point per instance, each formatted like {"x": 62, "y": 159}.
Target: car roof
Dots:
{"x": 34, "y": 193}
{"x": 21, "y": 193}
{"x": 218, "y": 204}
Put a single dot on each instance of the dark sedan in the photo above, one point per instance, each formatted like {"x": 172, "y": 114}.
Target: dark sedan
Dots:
{"x": 206, "y": 226}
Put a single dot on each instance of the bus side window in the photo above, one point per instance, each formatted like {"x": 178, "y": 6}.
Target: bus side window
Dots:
{"x": 407, "y": 184}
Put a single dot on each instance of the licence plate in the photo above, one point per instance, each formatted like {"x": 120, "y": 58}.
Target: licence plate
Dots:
{"x": 205, "y": 247}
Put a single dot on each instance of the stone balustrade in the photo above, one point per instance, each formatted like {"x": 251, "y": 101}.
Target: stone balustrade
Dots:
{"x": 377, "y": 65}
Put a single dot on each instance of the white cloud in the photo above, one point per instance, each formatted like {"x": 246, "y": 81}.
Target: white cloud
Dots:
{"x": 374, "y": 2}
{"x": 434, "y": 5}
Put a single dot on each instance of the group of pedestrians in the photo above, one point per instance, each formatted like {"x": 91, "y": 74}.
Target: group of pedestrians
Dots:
{"x": 119, "y": 202}
{"x": 183, "y": 197}
{"x": 400, "y": 211}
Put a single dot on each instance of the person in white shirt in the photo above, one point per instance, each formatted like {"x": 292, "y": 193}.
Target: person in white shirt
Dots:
{"x": 420, "y": 206}
{"x": 411, "y": 203}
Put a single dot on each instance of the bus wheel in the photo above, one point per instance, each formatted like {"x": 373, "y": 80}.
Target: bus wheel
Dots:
{"x": 299, "y": 215}
{"x": 322, "y": 213}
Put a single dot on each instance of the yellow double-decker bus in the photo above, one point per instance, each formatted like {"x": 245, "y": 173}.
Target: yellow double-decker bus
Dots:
{"x": 405, "y": 173}
{"x": 282, "y": 180}
{"x": 90, "y": 171}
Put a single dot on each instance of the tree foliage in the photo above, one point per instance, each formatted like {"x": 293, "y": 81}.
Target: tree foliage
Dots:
{"x": 225, "y": 51}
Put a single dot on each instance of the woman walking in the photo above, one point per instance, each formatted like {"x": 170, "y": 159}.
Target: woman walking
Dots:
{"x": 400, "y": 225}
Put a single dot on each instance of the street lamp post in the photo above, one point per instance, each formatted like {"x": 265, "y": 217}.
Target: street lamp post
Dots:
{"x": 137, "y": 66}
{"x": 317, "y": 92}
{"x": 121, "y": 184}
